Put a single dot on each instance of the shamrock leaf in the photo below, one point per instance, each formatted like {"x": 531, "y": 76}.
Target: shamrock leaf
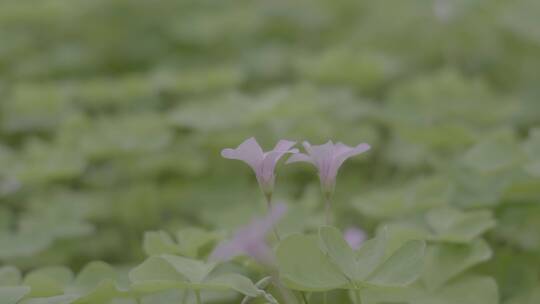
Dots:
{"x": 458, "y": 291}
{"x": 402, "y": 268}
{"x": 446, "y": 260}
{"x": 95, "y": 284}
{"x": 331, "y": 263}
{"x": 452, "y": 225}
{"x": 163, "y": 272}
{"x": 303, "y": 266}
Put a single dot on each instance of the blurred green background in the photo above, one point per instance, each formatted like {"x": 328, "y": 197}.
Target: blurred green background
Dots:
{"x": 113, "y": 113}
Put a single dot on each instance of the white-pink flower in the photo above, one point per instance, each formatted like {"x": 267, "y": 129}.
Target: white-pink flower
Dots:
{"x": 354, "y": 237}
{"x": 328, "y": 158}
{"x": 262, "y": 163}
{"x": 251, "y": 239}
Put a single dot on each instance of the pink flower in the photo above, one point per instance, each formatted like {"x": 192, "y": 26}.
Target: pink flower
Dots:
{"x": 251, "y": 239}
{"x": 354, "y": 237}
{"x": 262, "y": 163}
{"x": 328, "y": 158}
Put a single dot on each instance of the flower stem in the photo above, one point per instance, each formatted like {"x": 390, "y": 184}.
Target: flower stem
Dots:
{"x": 357, "y": 299}
{"x": 268, "y": 197}
{"x": 198, "y": 296}
{"x": 185, "y": 296}
{"x": 304, "y": 298}
{"x": 285, "y": 294}
{"x": 327, "y": 210}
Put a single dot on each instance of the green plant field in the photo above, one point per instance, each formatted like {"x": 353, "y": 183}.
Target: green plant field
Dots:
{"x": 113, "y": 114}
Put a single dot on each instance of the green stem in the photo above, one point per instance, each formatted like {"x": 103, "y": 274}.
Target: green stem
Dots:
{"x": 325, "y": 298}
{"x": 198, "y": 296}
{"x": 269, "y": 204}
{"x": 285, "y": 293}
{"x": 185, "y": 296}
{"x": 357, "y": 297}
{"x": 304, "y": 298}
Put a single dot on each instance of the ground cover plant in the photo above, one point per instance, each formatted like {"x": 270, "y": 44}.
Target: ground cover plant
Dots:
{"x": 118, "y": 120}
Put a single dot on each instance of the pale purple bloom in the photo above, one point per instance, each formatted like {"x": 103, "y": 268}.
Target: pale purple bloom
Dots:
{"x": 354, "y": 237}
{"x": 251, "y": 239}
{"x": 328, "y": 158}
{"x": 262, "y": 163}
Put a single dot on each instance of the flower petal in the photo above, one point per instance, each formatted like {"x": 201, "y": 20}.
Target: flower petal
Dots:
{"x": 251, "y": 239}
{"x": 277, "y": 212}
{"x": 266, "y": 170}
{"x": 354, "y": 237}
{"x": 340, "y": 148}
{"x": 307, "y": 146}
{"x": 227, "y": 250}
{"x": 261, "y": 227}
{"x": 343, "y": 152}
{"x": 284, "y": 145}
{"x": 299, "y": 157}
{"x": 249, "y": 152}
{"x": 322, "y": 156}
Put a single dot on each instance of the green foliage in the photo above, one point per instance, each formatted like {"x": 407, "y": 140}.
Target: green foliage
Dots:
{"x": 12, "y": 295}
{"x": 304, "y": 266}
{"x": 191, "y": 242}
{"x": 163, "y": 272}
{"x": 445, "y": 261}
{"x": 328, "y": 263}
{"x": 113, "y": 114}
{"x": 457, "y": 292}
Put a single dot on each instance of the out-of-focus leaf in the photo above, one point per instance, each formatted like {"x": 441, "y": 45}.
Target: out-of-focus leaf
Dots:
{"x": 456, "y": 292}
{"x": 47, "y": 282}
{"x": 194, "y": 271}
{"x": 472, "y": 189}
{"x": 445, "y": 261}
{"x": 35, "y": 108}
{"x": 159, "y": 242}
{"x": 405, "y": 199}
{"x": 236, "y": 282}
{"x": 518, "y": 225}
{"x": 22, "y": 244}
{"x": 105, "y": 138}
{"x": 532, "y": 149}
{"x": 12, "y": 294}
{"x": 452, "y": 225}
{"x": 193, "y": 241}
{"x": 164, "y": 272}
{"x": 341, "y": 66}
{"x": 496, "y": 152}
{"x": 10, "y": 276}
{"x": 528, "y": 298}
{"x": 96, "y": 283}
{"x": 63, "y": 299}
{"x": 92, "y": 275}
{"x": 222, "y": 115}
{"x": 42, "y": 163}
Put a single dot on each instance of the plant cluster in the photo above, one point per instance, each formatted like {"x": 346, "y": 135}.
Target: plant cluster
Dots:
{"x": 113, "y": 115}
{"x": 301, "y": 267}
